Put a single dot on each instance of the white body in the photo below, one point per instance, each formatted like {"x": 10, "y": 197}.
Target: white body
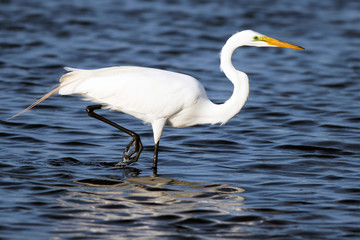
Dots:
{"x": 145, "y": 93}
{"x": 155, "y": 96}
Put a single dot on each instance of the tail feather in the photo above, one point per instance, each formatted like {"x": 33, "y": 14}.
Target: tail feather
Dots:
{"x": 49, "y": 94}
{"x": 65, "y": 80}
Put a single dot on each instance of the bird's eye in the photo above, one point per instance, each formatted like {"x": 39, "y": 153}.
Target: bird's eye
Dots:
{"x": 256, "y": 38}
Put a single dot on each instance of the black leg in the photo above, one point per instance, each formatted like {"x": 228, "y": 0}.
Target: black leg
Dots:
{"x": 156, "y": 150}
{"x": 135, "y": 142}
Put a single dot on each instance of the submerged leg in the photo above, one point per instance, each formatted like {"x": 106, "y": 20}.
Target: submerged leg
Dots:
{"x": 135, "y": 142}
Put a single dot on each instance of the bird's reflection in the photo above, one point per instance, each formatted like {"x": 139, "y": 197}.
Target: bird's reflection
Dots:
{"x": 157, "y": 189}
{"x": 149, "y": 202}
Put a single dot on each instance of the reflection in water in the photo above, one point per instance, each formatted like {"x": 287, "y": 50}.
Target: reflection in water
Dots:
{"x": 137, "y": 205}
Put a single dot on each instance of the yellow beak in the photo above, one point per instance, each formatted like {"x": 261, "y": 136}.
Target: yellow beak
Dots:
{"x": 278, "y": 43}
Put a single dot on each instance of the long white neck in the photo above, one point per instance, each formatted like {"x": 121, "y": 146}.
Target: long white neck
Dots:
{"x": 221, "y": 113}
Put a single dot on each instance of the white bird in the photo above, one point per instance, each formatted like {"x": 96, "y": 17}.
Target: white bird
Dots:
{"x": 160, "y": 97}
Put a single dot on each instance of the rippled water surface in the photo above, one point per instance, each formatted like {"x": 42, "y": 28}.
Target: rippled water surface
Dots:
{"x": 286, "y": 167}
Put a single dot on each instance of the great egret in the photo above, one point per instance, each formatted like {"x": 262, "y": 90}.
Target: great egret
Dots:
{"x": 161, "y": 97}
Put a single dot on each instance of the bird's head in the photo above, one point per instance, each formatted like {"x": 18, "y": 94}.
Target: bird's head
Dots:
{"x": 252, "y": 38}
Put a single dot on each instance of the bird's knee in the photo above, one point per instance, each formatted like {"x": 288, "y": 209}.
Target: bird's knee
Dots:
{"x": 90, "y": 109}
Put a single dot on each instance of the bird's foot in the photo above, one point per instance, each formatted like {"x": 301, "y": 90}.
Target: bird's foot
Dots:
{"x": 132, "y": 152}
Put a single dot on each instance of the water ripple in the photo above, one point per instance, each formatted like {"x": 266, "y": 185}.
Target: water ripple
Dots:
{"x": 287, "y": 167}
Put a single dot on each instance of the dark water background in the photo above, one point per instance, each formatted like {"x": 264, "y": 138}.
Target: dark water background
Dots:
{"x": 286, "y": 167}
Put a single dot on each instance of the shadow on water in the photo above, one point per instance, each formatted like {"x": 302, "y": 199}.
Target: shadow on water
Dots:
{"x": 153, "y": 206}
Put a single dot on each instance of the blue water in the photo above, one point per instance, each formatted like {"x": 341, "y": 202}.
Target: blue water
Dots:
{"x": 286, "y": 167}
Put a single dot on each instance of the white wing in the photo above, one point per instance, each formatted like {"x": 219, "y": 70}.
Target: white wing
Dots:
{"x": 145, "y": 93}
